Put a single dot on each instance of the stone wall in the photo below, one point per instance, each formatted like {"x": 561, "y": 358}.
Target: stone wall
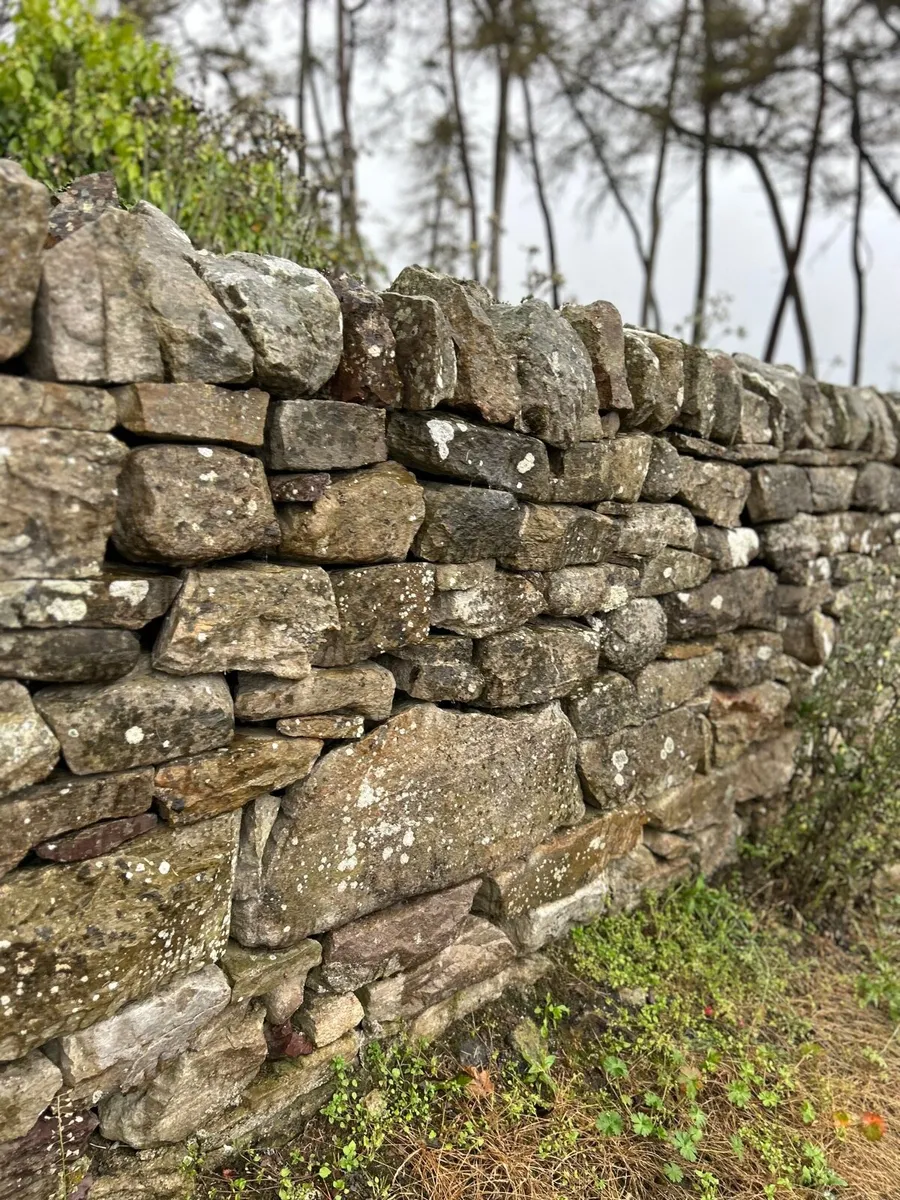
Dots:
{"x": 354, "y": 646}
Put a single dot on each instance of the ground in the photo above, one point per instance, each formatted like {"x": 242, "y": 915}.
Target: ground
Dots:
{"x": 701, "y": 1046}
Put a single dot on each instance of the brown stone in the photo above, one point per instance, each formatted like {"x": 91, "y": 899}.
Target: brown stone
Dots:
{"x": 324, "y": 435}
{"x": 24, "y": 209}
{"x": 95, "y": 840}
{"x": 631, "y": 636}
{"x": 551, "y": 536}
{"x": 715, "y": 491}
{"x": 810, "y": 638}
{"x": 329, "y": 727}
{"x": 616, "y": 469}
{"x": 439, "y": 668}
{"x": 258, "y": 972}
{"x": 56, "y": 405}
{"x": 754, "y": 714}
{"x": 364, "y": 688}
{"x": 600, "y": 328}
{"x": 298, "y": 488}
{"x": 603, "y": 705}
{"x": 536, "y": 663}
{"x": 748, "y": 657}
{"x": 465, "y": 524}
{"x": 28, "y": 749}
{"x": 368, "y": 371}
{"x": 644, "y": 760}
{"x": 193, "y": 412}
{"x": 31, "y": 1166}
{"x": 582, "y": 591}
{"x": 723, "y": 603}
{"x": 426, "y": 356}
{"x": 504, "y": 602}
{"x": 324, "y": 1019}
{"x": 665, "y": 685}
{"x": 82, "y": 201}
{"x": 379, "y": 608}
{"x": 67, "y": 655}
{"x": 673, "y": 571}
{"x": 121, "y": 598}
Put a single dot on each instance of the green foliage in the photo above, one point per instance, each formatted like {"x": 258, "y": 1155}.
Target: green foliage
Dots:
{"x": 880, "y": 987}
{"x": 81, "y": 93}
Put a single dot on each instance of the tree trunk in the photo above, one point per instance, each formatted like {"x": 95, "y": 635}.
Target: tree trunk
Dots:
{"x": 348, "y": 206}
{"x": 698, "y": 332}
{"x": 302, "y": 82}
{"x": 541, "y": 191}
{"x": 859, "y": 268}
{"x": 463, "y": 142}
{"x": 501, "y": 159}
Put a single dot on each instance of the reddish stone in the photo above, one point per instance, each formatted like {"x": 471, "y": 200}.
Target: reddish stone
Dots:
{"x": 284, "y": 1041}
{"x": 96, "y": 839}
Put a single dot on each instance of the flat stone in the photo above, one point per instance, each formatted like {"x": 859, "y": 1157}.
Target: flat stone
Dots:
{"x": 785, "y": 543}
{"x": 379, "y": 608}
{"x": 440, "y": 668}
{"x": 810, "y": 638}
{"x": 147, "y": 717}
{"x": 37, "y": 405}
{"x": 251, "y": 617}
{"x": 329, "y": 727}
{"x": 298, "y": 488}
{"x": 95, "y": 840}
{"x": 26, "y": 1088}
{"x": 201, "y": 1083}
{"x": 698, "y": 412}
{"x": 459, "y": 577}
{"x": 486, "y": 382}
{"x": 646, "y": 529}
{"x": 673, "y": 570}
{"x": 748, "y": 657}
{"x": 395, "y": 939}
{"x": 727, "y": 549}
{"x": 780, "y": 387}
{"x": 599, "y": 326}
{"x": 796, "y": 601}
{"x": 24, "y": 210}
{"x": 82, "y": 201}
{"x": 193, "y": 412}
{"x": 364, "y": 688}
{"x": 465, "y": 524}
{"x": 324, "y": 1019}
{"x": 426, "y": 357}
{"x": 551, "y": 536}
{"x": 255, "y": 762}
{"x": 67, "y": 655}
{"x": 662, "y": 686}
{"x": 28, "y": 749}
{"x": 583, "y": 591}
{"x": 641, "y": 761}
{"x": 831, "y": 488}
{"x": 478, "y": 951}
{"x": 778, "y": 493}
{"x": 555, "y": 375}
{"x": 736, "y": 452}
{"x": 365, "y": 517}
{"x": 118, "y": 598}
{"x": 878, "y": 488}
{"x": 126, "y": 1050}
{"x": 449, "y": 446}
{"x": 84, "y": 927}
{"x": 603, "y": 705}
{"x": 57, "y": 501}
{"x": 655, "y": 368}
{"x": 663, "y": 480}
{"x": 630, "y": 636}
{"x": 723, "y": 603}
{"x": 536, "y": 663}
{"x": 324, "y": 435}
{"x": 504, "y": 602}
{"x": 92, "y": 321}
{"x": 258, "y": 972}
{"x": 466, "y": 793}
{"x": 612, "y": 470}
{"x": 288, "y": 314}
{"x": 521, "y": 974}
{"x": 368, "y": 372}
{"x": 188, "y": 504}
{"x": 754, "y": 714}
{"x": 756, "y": 426}
{"x": 715, "y": 491}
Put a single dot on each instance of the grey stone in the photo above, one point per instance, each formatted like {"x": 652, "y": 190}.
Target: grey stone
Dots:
{"x": 631, "y": 636}
{"x": 663, "y": 480}
{"x": 28, "y": 749}
{"x": 662, "y": 686}
{"x": 778, "y": 493}
{"x": 878, "y": 488}
{"x": 85, "y": 927}
{"x": 439, "y": 668}
{"x": 644, "y": 760}
{"x": 368, "y": 371}
{"x": 92, "y": 322}
{"x": 603, "y": 705}
{"x": 31, "y": 1166}
{"x": 536, "y": 663}
{"x": 646, "y": 529}
{"x": 794, "y": 601}
{"x": 379, "y": 608}
{"x": 288, "y": 314}
{"x": 754, "y": 714}
{"x": 188, "y": 504}
{"x": 582, "y": 591}
{"x": 831, "y": 488}
{"x": 810, "y": 638}
{"x": 328, "y": 727}
{"x": 553, "y": 368}
{"x": 193, "y": 412}
{"x": 459, "y": 577}
{"x": 467, "y": 792}
{"x": 96, "y": 840}
{"x": 83, "y": 200}
{"x": 486, "y": 372}
{"x": 785, "y": 543}
{"x": 721, "y": 379}
{"x": 600, "y": 328}
{"x": 740, "y": 454}
{"x": 324, "y": 1019}
{"x": 39, "y": 405}
{"x": 504, "y": 602}
{"x": 298, "y": 488}
{"x": 365, "y": 517}
{"x": 612, "y": 470}
{"x": 698, "y": 412}
{"x": 262, "y": 972}
{"x": 449, "y": 446}
{"x": 780, "y": 387}
{"x": 426, "y": 357}
{"x": 147, "y": 717}
{"x": 364, "y": 688}
{"x": 655, "y": 367}
{"x": 324, "y": 435}
{"x": 748, "y": 657}
{"x": 24, "y": 209}
{"x": 57, "y": 501}
{"x": 67, "y": 655}
{"x": 672, "y": 571}
{"x": 118, "y": 598}
{"x": 26, "y": 1088}
{"x": 723, "y": 603}
{"x": 715, "y": 491}
{"x": 756, "y": 426}
{"x": 727, "y": 549}
{"x": 521, "y": 974}
{"x": 551, "y": 536}
{"x": 465, "y": 524}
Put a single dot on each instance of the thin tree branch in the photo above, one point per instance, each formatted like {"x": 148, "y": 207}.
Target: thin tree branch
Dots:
{"x": 463, "y": 143}
{"x": 541, "y": 193}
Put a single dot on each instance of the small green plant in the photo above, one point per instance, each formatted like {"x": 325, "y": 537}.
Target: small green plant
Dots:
{"x": 880, "y": 987}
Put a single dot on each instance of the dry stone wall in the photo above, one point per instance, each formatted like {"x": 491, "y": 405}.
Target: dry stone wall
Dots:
{"x": 354, "y": 646}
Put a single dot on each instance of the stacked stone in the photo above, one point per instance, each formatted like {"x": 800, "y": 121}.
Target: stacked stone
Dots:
{"x": 356, "y": 645}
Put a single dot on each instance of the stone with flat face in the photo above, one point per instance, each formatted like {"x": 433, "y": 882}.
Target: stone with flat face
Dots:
{"x": 432, "y": 796}
{"x": 727, "y": 387}
{"x": 611, "y": 470}
{"x": 24, "y": 210}
{"x": 88, "y": 932}
{"x": 147, "y": 717}
{"x": 118, "y": 598}
{"x": 26, "y": 1088}
{"x": 365, "y": 517}
{"x": 583, "y": 591}
{"x": 630, "y": 636}
{"x": 193, "y": 412}
{"x": 714, "y": 491}
{"x": 599, "y": 326}
{"x": 551, "y": 536}
{"x": 663, "y": 479}
{"x": 878, "y": 488}
{"x": 426, "y": 356}
{"x": 756, "y": 424}
{"x": 298, "y": 488}
{"x": 778, "y": 492}
{"x": 67, "y": 655}
{"x": 33, "y": 1163}
{"x": 465, "y": 524}
{"x": 536, "y": 663}
{"x": 810, "y": 638}
{"x": 368, "y": 371}
{"x": 37, "y": 405}
{"x": 379, "y": 608}
{"x": 256, "y": 761}
{"x": 95, "y": 840}
{"x": 364, "y": 688}
{"x": 57, "y": 501}
{"x": 188, "y": 504}
{"x": 740, "y": 718}
{"x": 655, "y": 368}
{"x": 603, "y": 705}
{"x": 288, "y": 314}
{"x": 342, "y": 727}
{"x": 28, "y": 749}
{"x": 698, "y": 412}
{"x": 727, "y": 549}
{"x": 261, "y": 972}
{"x": 662, "y": 686}
{"x": 748, "y": 657}
{"x": 439, "y": 668}
{"x": 723, "y": 603}
{"x": 459, "y": 577}
{"x": 780, "y": 387}
{"x": 324, "y": 435}
{"x": 252, "y": 617}
{"x": 672, "y": 570}
{"x": 324, "y": 1019}
{"x": 504, "y": 602}
{"x": 831, "y": 488}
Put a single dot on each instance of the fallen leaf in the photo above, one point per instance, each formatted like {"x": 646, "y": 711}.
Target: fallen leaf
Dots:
{"x": 480, "y": 1083}
{"x": 872, "y": 1126}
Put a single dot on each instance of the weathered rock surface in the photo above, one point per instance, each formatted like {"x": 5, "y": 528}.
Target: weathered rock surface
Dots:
{"x": 878, "y": 488}
{"x": 363, "y": 688}
{"x": 520, "y": 974}
{"x": 831, "y": 488}
{"x": 458, "y": 577}
{"x": 536, "y": 663}
{"x": 748, "y": 657}
{"x": 88, "y": 932}
{"x": 581, "y": 591}
{"x": 646, "y": 529}
{"x": 612, "y": 470}
{"x": 728, "y": 549}
{"x": 426, "y": 357}
{"x": 251, "y": 617}
{"x": 753, "y": 714}
{"x": 298, "y": 488}
{"x": 324, "y": 435}
{"x": 468, "y": 792}
{"x": 96, "y": 840}
{"x": 630, "y": 636}
{"x": 673, "y": 570}
{"x": 465, "y": 524}
{"x": 147, "y": 717}
{"x": 255, "y": 762}
{"x": 26, "y": 1088}
{"x": 67, "y": 655}
{"x": 324, "y": 1019}
{"x": 82, "y": 201}
{"x": 698, "y": 412}
{"x": 439, "y": 668}
{"x": 28, "y": 749}
{"x": 193, "y": 412}
{"x": 366, "y": 517}
{"x": 723, "y": 603}
{"x": 504, "y": 602}
{"x": 329, "y": 727}
{"x": 119, "y": 597}
{"x": 810, "y": 638}
{"x": 261, "y": 972}
{"x": 32, "y": 1166}
{"x": 24, "y": 209}
{"x": 663, "y": 474}
{"x": 379, "y": 608}
{"x": 551, "y": 536}
{"x": 600, "y": 328}
{"x": 644, "y": 760}
{"x": 603, "y": 705}
{"x": 778, "y": 492}
{"x": 288, "y": 314}
{"x": 715, "y": 491}
{"x": 57, "y": 501}
{"x": 662, "y": 686}
{"x": 486, "y": 382}
{"x": 368, "y": 372}
{"x": 55, "y": 405}
{"x": 655, "y": 368}
{"x": 189, "y": 504}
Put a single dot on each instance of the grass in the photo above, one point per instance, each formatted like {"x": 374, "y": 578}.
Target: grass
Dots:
{"x": 697, "y": 1047}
